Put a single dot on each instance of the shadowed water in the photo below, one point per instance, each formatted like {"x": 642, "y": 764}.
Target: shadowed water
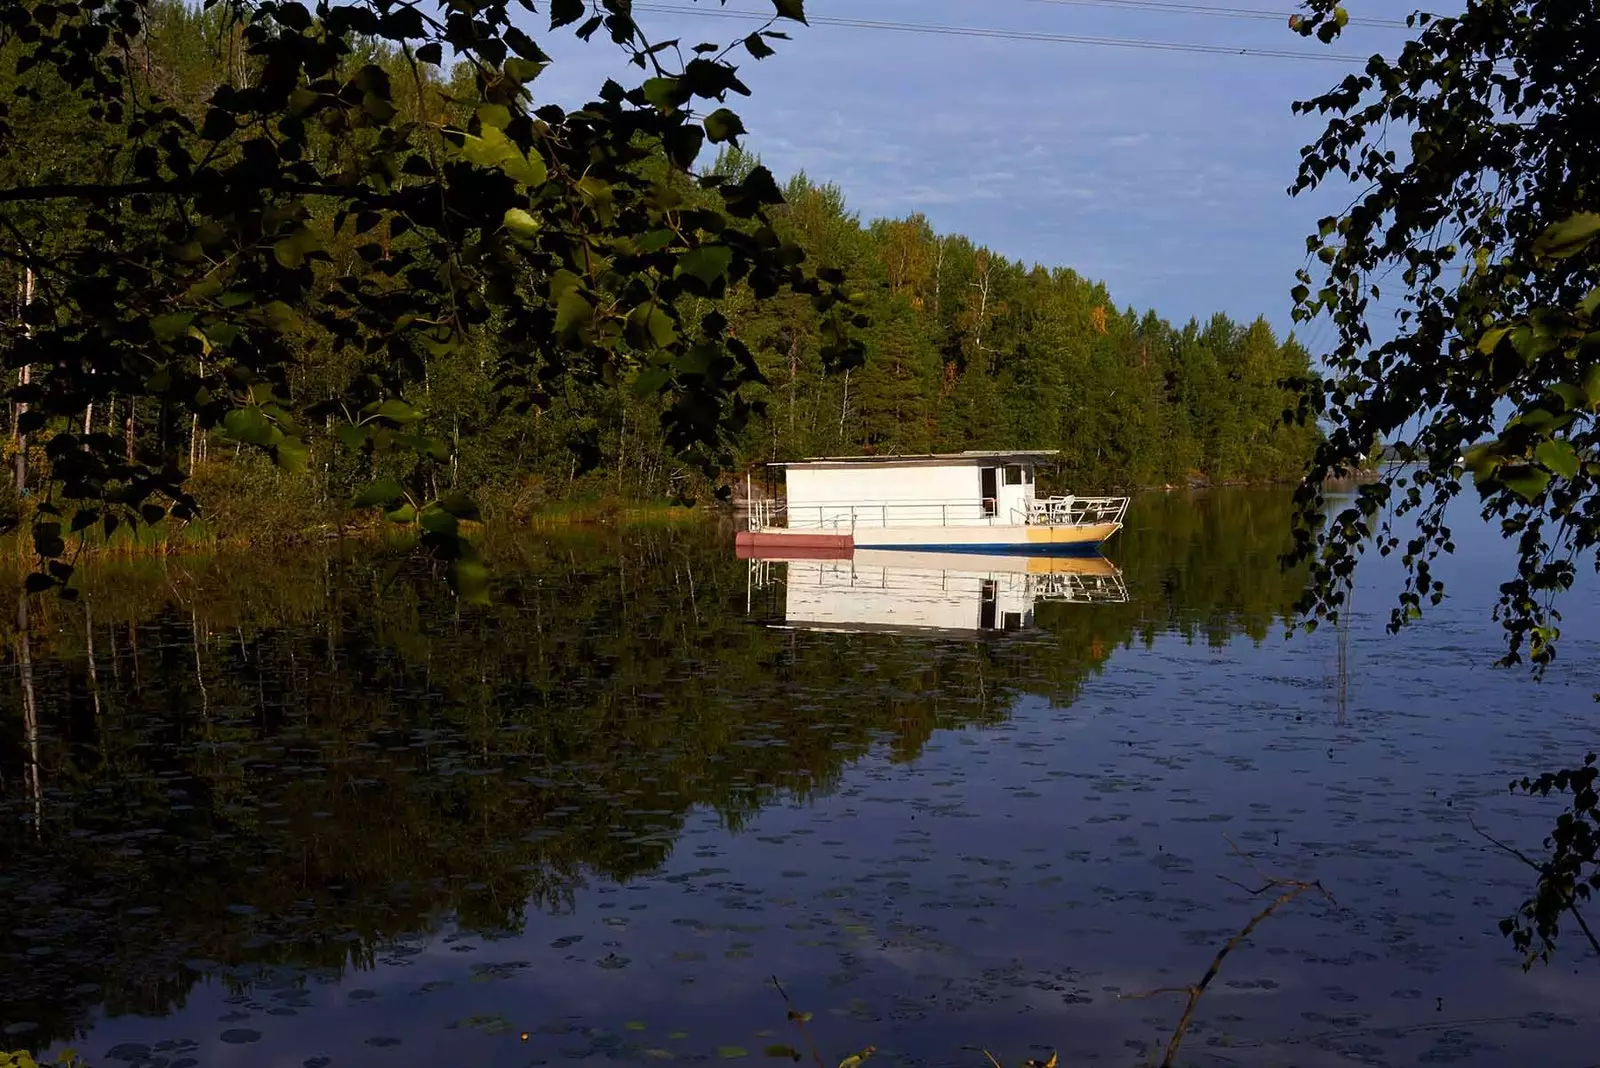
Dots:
{"x": 311, "y": 811}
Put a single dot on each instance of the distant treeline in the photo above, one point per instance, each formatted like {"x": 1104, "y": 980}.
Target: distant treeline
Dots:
{"x": 966, "y": 349}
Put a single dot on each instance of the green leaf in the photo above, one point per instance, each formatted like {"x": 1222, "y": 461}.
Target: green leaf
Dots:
{"x": 662, "y": 92}
{"x": 439, "y": 521}
{"x": 791, "y": 9}
{"x": 251, "y": 426}
{"x": 459, "y": 505}
{"x": 707, "y": 263}
{"x": 171, "y": 327}
{"x": 723, "y": 125}
{"x": 1525, "y": 481}
{"x": 1590, "y": 304}
{"x": 352, "y": 435}
{"x": 496, "y": 116}
{"x": 398, "y": 411}
{"x": 785, "y": 1052}
{"x": 573, "y": 311}
{"x": 384, "y": 493}
{"x": 650, "y": 381}
{"x": 600, "y": 195}
{"x": 291, "y": 454}
{"x": 729, "y": 1053}
{"x": 696, "y": 361}
{"x": 1591, "y": 384}
{"x": 562, "y": 282}
{"x": 493, "y": 149}
{"x": 522, "y": 223}
{"x": 1491, "y": 339}
{"x": 1569, "y": 236}
{"x": 1558, "y": 457}
{"x": 404, "y": 513}
{"x": 650, "y": 326}
{"x": 288, "y": 254}
{"x": 757, "y": 48}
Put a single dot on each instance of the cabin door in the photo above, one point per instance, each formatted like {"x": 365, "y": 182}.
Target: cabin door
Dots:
{"x": 991, "y": 490}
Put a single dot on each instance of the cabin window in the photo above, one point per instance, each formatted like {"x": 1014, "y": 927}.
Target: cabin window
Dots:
{"x": 1014, "y": 475}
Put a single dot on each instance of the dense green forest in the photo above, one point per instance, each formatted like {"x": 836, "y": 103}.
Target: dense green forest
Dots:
{"x": 964, "y": 348}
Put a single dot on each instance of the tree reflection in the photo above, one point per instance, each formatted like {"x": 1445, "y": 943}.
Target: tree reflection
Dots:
{"x": 217, "y": 765}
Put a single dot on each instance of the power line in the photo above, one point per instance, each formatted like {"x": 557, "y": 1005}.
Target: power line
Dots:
{"x": 1016, "y": 35}
{"x": 1173, "y": 7}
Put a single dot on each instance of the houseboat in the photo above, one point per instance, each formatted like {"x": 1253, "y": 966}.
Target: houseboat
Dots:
{"x": 973, "y": 502}
{"x": 884, "y": 591}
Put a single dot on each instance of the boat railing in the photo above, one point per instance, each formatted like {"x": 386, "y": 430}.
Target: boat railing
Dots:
{"x": 1074, "y": 511}
{"x": 845, "y": 516}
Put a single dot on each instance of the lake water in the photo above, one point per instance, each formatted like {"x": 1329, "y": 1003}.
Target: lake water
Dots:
{"x": 311, "y": 812}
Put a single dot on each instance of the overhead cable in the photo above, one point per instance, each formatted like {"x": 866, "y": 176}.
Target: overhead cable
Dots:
{"x": 1015, "y": 35}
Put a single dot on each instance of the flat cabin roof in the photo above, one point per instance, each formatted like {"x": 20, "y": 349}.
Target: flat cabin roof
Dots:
{"x": 932, "y": 459}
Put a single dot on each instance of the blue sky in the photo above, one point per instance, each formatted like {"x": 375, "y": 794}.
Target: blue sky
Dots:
{"x": 1161, "y": 173}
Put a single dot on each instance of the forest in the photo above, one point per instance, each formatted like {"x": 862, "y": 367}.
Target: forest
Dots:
{"x": 963, "y": 348}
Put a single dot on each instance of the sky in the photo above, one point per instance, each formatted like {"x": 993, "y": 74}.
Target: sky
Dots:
{"x": 1162, "y": 173}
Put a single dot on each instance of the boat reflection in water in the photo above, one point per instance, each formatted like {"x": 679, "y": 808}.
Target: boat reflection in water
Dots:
{"x": 880, "y": 590}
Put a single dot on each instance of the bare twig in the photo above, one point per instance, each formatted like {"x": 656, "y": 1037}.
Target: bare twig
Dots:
{"x": 1289, "y": 890}
{"x": 799, "y": 1019}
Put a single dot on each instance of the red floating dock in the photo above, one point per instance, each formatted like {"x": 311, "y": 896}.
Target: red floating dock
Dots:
{"x": 758, "y": 545}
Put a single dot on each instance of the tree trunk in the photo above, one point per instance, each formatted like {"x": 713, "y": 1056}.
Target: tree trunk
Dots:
{"x": 23, "y": 378}
{"x": 30, "y": 714}
{"x": 844, "y": 405}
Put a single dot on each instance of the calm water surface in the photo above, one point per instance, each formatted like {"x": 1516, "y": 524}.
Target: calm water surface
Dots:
{"x": 312, "y": 812}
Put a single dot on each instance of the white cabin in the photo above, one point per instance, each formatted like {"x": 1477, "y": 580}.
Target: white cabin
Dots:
{"x": 954, "y": 489}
